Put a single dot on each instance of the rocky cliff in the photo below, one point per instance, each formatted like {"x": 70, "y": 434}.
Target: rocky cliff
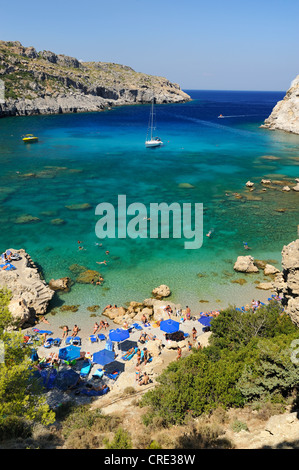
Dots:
{"x": 287, "y": 282}
{"x": 285, "y": 115}
{"x": 48, "y": 83}
{"x": 30, "y": 294}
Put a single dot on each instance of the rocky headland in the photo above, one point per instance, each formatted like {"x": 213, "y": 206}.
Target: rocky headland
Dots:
{"x": 48, "y": 83}
{"x": 285, "y": 115}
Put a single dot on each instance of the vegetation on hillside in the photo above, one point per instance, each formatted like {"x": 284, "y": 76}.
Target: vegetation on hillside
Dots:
{"x": 249, "y": 359}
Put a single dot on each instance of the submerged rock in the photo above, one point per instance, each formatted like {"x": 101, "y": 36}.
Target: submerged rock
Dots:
{"x": 79, "y": 207}
{"x": 26, "y": 219}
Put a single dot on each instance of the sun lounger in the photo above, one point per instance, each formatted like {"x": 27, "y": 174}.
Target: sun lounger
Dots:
{"x": 69, "y": 340}
{"x": 93, "y": 393}
{"x": 136, "y": 326}
{"x": 98, "y": 373}
{"x": 128, "y": 357}
{"x": 93, "y": 338}
{"x": 85, "y": 369}
{"x": 113, "y": 375}
{"x": 57, "y": 342}
{"x": 101, "y": 337}
{"x": 49, "y": 343}
{"x": 76, "y": 341}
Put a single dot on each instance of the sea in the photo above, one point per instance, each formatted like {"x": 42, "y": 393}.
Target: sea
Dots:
{"x": 49, "y": 192}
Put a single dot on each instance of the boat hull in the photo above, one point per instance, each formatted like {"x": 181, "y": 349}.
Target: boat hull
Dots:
{"x": 30, "y": 139}
{"x": 153, "y": 143}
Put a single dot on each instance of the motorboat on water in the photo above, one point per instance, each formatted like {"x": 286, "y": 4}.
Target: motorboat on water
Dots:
{"x": 220, "y": 116}
{"x": 151, "y": 141}
{"x": 29, "y": 138}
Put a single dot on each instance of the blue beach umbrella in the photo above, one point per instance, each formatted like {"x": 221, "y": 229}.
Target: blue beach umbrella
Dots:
{"x": 69, "y": 353}
{"x": 103, "y": 357}
{"x": 118, "y": 335}
{"x": 205, "y": 321}
{"x": 169, "y": 326}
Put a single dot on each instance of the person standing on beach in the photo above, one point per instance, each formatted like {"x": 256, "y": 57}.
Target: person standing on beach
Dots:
{"x": 137, "y": 372}
{"x": 188, "y": 313}
{"x": 179, "y": 353}
{"x": 65, "y": 330}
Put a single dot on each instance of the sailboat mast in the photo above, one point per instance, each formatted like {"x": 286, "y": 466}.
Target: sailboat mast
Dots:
{"x": 152, "y": 123}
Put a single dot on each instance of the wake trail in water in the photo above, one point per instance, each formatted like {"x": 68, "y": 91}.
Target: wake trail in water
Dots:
{"x": 214, "y": 125}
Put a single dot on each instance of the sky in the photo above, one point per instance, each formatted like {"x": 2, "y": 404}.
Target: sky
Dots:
{"x": 206, "y": 45}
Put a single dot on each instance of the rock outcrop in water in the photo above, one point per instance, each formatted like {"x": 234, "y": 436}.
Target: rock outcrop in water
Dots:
{"x": 287, "y": 282}
{"x": 285, "y": 115}
{"x": 30, "y": 294}
{"x": 48, "y": 83}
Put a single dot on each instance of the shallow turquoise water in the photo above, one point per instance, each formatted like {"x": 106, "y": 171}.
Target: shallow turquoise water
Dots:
{"x": 92, "y": 158}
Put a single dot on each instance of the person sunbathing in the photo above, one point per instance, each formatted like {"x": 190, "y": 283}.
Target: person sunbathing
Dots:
{"x": 128, "y": 353}
{"x": 144, "y": 380}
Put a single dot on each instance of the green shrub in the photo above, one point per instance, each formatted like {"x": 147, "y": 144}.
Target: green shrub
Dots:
{"x": 121, "y": 440}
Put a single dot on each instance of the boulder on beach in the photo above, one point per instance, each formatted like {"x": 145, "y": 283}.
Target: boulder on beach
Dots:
{"x": 249, "y": 184}
{"x": 161, "y": 291}
{"x": 264, "y": 286}
{"x": 245, "y": 264}
{"x": 114, "y": 312}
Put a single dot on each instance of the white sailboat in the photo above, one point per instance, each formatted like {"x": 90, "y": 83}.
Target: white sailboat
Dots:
{"x": 150, "y": 140}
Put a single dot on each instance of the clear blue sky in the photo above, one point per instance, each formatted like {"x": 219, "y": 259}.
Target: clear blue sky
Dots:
{"x": 212, "y": 44}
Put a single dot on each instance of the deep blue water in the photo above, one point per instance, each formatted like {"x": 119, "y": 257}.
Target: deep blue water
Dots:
{"x": 93, "y": 157}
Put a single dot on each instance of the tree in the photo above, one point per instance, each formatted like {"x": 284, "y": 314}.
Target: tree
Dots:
{"x": 20, "y": 393}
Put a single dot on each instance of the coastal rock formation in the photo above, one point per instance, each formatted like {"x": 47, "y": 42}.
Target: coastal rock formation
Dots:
{"x": 285, "y": 115}
{"x": 245, "y": 264}
{"x": 48, "y": 83}
{"x": 270, "y": 270}
{"x": 30, "y": 294}
{"x": 161, "y": 292}
{"x": 287, "y": 282}
{"x": 60, "y": 284}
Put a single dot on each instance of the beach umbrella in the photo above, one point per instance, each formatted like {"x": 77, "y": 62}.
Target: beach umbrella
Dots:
{"x": 69, "y": 353}
{"x": 103, "y": 357}
{"x": 66, "y": 378}
{"x": 169, "y": 326}
{"x": 118, "y": 335}
{"x": 205, "y": 321}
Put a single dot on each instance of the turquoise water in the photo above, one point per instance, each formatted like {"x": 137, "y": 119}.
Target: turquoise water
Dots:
{"x": 92, "y": 158}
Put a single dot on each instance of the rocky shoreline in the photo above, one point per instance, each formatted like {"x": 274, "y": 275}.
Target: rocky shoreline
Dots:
{"x": 48, "y": 83}
{"x": 31, "y": 295}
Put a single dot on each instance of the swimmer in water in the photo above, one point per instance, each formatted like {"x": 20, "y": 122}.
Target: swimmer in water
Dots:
{"x": 101, "y": 262}
{"x": 210, "y": 233}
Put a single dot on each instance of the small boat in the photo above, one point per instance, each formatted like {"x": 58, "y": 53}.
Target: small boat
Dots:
{"x": 151, "y": 141}
{"x": 220, "y": 116}
{"x": 29, "y": 138}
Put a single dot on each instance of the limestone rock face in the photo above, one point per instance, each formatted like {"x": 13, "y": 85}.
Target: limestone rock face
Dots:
{"x": 245, "y": 264}
{"x": 30, "y": 294}
{"x": 48, "y": 83}
{"x": 285, "y": 115}
{"x": 287, "y": 282}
